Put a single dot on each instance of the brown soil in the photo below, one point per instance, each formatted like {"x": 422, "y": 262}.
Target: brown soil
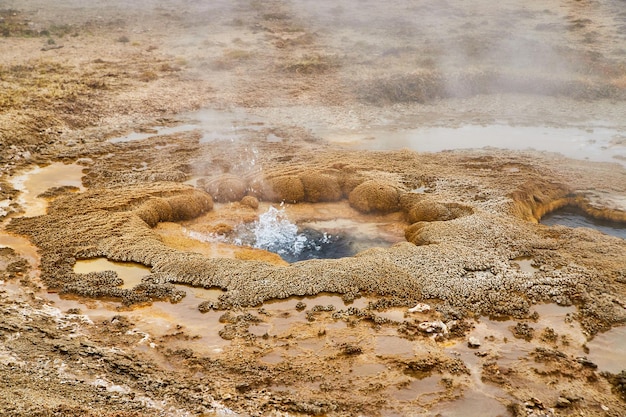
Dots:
{"x": 74, "y": 77}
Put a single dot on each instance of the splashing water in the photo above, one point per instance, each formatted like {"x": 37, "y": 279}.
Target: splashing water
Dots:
{"x": 275, "y": 233}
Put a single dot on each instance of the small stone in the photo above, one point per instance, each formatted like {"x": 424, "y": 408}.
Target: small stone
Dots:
{"x": 473, "y": 342}
{"x": 563, "y": 402}
{"x": 433, "y": 327}
{"x": 604, "y": 407}
{"x": 84, "y": 161}
{"x": 586, "y": 362}
{"x": 419, "y": 308}
{"x": 535, "y": 403}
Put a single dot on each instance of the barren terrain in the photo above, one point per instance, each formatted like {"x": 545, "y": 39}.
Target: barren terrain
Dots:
{"x": 137, "y": 138}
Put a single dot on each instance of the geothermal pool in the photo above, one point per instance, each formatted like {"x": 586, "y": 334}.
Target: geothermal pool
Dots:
{"x": 317, "y": 237}
{"x": 571, "y": 217}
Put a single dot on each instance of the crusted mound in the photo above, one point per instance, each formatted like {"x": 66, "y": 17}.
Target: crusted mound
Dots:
{"x": 225, "y": 188}
{"x": 375, "y": 196}
{"x": 287, "y": 188}
{"x": 431, "y": 211}
{"x": 319, "y": 186}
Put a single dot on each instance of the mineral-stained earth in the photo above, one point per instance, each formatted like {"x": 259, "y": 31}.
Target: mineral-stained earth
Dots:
{"x": 183, "y": 120}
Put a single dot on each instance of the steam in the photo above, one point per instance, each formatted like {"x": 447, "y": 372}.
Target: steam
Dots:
{"x": 460, "y": 49}
{"x": 287, "y": 58}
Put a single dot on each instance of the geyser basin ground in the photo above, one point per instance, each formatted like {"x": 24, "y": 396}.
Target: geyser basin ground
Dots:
{"x": 77, "y": 75}
{"x": 470, "y": 234}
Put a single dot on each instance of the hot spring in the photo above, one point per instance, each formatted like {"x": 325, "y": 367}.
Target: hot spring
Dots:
{"x": 302, "y": 232}
{"x": 572, "y": 217}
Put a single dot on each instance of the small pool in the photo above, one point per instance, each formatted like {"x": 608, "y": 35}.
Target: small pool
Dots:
{"x": 573, "y": 217}
{"x": 295, "y": 236}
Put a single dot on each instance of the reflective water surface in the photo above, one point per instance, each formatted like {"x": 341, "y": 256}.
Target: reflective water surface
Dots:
{"x": 572, "y": 217}
{"x": 34, "y": 182}
{"x": 595, "y": 144}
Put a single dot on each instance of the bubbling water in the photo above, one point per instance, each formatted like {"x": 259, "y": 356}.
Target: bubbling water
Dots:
{"x": 274, "y": 232}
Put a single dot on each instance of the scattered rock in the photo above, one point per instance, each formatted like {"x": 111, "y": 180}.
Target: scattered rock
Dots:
{"x": 618, "y": 382}
{"x": 586, "y": 362}
{"x": 419, "y": 308}
{"x": 523, "y": 331}
{"x": 563, "y": 402}
{"x": 473, "y": 342}
{"x": 350, "y": 349}
{"x": 433, "y": 327}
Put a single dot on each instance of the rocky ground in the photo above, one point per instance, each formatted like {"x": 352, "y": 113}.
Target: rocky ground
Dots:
{"x": 391, "y": 331}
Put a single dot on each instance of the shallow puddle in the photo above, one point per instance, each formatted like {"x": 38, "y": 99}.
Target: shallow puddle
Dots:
{"x": 312, "y": 344}
{"x": 283, "y": 322}
{"x": 96, "y": 310}
{"x": 393, "y": 346}
{"x": 393, "y": 314}
{"x": 23, "y": 247}
{"x": 36, "y": 181}
{"x": 214, "y": 124}
{"x": 368, "y": 369}
{"x": 163, "y": 317}
{"x": 571, "y": 217}
{"x": 471, "y": 404}
{"x": 418, "y": 388}
{"x": 495, "y": 337}
{"x": 284, "y": 314}
{"x": 164, "y": 314}
{"x": 596, "y": 144}
{"x": 560, "y": 319}
{"x": 272, "y": 358}
{"x": 206, "y": 294}
{"x": 608, "y": 350}
{"x": 160, "y": 319}
{"x": 525, "y": 264}
{"x": 130, "y": 272}
{"x": 260, "y": 330}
